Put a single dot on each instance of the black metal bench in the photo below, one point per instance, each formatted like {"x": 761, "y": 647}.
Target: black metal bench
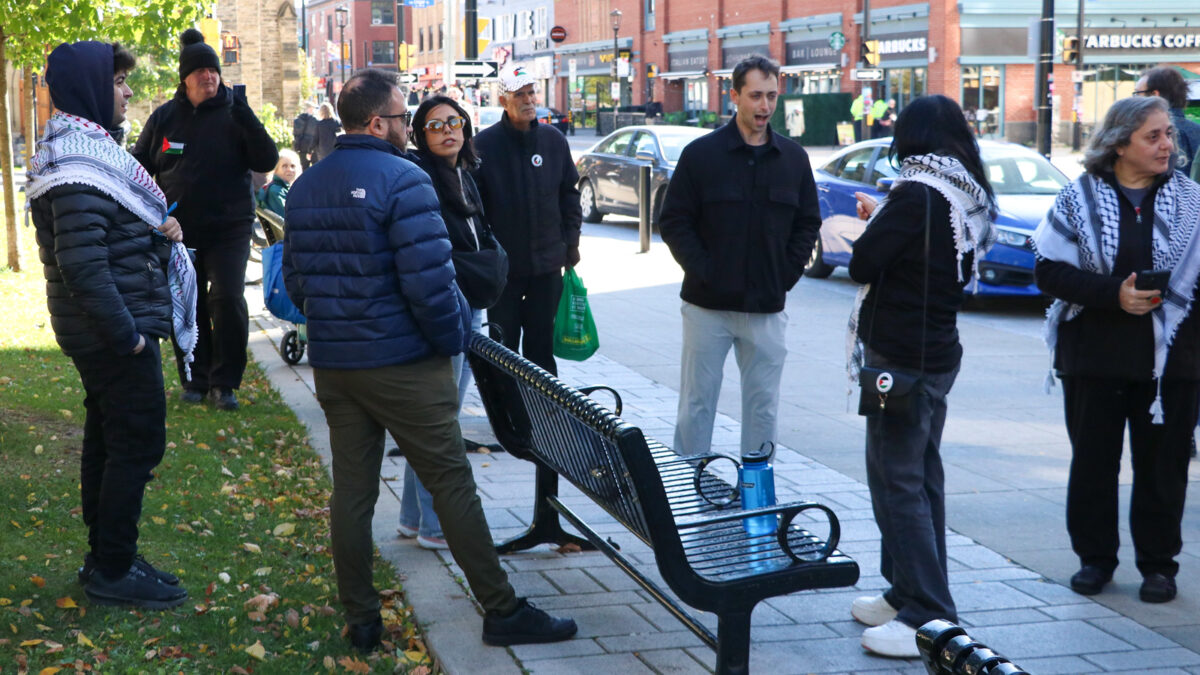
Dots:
{"x": 702, "y": 550}
{"x": 946, "y": 649}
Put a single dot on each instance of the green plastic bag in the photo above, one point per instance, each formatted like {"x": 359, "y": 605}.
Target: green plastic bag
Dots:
{"x": 575, "y": 336}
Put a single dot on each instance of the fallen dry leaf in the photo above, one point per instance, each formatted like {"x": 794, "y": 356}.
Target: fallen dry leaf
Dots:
{"x": 284, "y": 529}
{"x": 258, "y": 651}
{"x": 38, "y": 581}
{"x": 253, "y": 548}
{"x": 353, "y": 665}
{"x": 66, "y": 603}
{"x": 82, "y": 640}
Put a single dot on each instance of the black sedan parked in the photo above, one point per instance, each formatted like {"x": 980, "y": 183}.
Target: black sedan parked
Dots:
{"x": 556, "y": 119}
{"x": 608, "y": 173}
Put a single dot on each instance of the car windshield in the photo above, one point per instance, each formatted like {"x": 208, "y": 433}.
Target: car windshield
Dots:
{"x": 672, "y": 144}
{"x": 1013, "y": 172}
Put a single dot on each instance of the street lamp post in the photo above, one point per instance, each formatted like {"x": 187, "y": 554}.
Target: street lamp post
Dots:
{"x": 343, "y": 15}
{"x": 615, "y": 15}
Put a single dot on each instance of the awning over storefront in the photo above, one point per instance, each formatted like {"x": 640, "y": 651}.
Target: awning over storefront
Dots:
{"x": 681, "y": 75}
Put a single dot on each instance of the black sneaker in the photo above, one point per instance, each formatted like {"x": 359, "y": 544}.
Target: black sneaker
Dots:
{"x": 525, "y": 625}
{"x": 366, "y": 636}
{"x": 226, "y": 399}
{"x": 1090, "y": 580}
{"x": 1157, "y": 588}
{"x": 193, "y": 396}
{"x": 89, "y": 566}
{"x": 136, "y": 588}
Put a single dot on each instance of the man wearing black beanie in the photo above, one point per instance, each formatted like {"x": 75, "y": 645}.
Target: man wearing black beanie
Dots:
{"x": 200, "y": 147}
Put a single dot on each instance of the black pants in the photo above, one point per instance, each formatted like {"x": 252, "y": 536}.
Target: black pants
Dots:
{"x": 222, "y": 317}
{"x": 525, "y": 312}
{"x": 1097, "y": 411}
{"x": 908, "y": 496}
{"x": 124, "y": 437}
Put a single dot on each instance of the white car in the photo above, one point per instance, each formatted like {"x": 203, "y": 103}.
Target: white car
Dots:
{"x": 486, "y": 116}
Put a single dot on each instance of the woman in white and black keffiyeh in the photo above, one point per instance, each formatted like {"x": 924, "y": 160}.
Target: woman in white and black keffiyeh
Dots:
{"x": 904, "y": 321}
{"x": 1127, "y": 354}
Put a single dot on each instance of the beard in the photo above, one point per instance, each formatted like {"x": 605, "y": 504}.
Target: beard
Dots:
{"x": 398, "y": 139}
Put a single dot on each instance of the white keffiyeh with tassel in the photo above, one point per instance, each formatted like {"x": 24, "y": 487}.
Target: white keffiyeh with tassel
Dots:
{"x": 1083, "y": 231}
{"x": 78, "y": 151}
{"x": 970, "y": 218}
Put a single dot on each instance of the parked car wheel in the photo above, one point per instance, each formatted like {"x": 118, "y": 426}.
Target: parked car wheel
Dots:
{"x": 587, "y": 201}
{"x": 817, "y": 268}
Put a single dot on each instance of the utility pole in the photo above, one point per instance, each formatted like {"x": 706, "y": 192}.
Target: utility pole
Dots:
{"x": 863, "y": 128}
{"x": 471, "y": 32}
{"x": 1077, "y": 131}
{"x": 1045, "y": 76}
{"x": 401, "y": 40}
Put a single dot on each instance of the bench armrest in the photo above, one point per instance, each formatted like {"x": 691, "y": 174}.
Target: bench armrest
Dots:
{"x": 787, "y": 513}
{"x": 587, "y": 391}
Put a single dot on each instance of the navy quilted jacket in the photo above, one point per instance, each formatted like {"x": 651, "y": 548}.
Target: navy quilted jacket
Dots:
{"x": 367, "y": 260}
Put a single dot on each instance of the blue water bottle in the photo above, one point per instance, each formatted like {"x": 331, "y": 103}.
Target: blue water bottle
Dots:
{"x": 757, "y": 478}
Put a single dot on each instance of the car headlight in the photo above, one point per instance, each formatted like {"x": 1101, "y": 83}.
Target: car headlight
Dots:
{"x": 1014, "y": 238}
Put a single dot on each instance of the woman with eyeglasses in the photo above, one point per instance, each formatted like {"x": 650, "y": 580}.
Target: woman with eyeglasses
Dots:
{"x": 442, "y": 133}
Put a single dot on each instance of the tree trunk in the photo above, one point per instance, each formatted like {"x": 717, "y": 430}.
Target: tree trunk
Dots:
{"x": 11, "y": 226}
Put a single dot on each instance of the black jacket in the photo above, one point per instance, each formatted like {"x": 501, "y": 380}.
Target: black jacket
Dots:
{"x": 890, "y": 255}
{"x": 304, "y": 133}
{"x": 210, "y": 179}
{"x": 1105, "y": 340}
{"x": 106, "y": 279}
{"x": 326, "y": 133}
{"x": 480, "y": 263}
{"x": 740, "y": 221}
{"x": 528, "y": 185}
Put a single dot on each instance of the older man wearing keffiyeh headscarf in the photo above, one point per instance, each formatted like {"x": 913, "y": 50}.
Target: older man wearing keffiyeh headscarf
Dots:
{"x": 106, "y": 242}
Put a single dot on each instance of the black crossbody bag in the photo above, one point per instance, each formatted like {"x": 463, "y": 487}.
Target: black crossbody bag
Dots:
{"x": 893, "y": 391}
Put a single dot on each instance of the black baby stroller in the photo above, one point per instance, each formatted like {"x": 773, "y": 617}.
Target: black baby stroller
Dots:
{"x": 275, "y": 296}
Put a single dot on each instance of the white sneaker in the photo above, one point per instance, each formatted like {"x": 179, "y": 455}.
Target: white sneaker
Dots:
{"x": 432, "y": 543}
{"x": 894, "y": 638}
{"x": 872, "y": 610}
{"x": 406, "y": 531}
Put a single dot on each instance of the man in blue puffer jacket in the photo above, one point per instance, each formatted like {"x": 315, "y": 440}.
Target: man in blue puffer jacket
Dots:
{"x": 367, "y": 259}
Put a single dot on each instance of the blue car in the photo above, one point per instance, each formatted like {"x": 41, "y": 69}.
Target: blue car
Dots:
{"x": 1025, "y": 184}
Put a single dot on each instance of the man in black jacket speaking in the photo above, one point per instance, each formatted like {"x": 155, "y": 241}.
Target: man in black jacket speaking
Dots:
{"x": 527, "y": 181}
{"x": 201, "y": 146}
{"x": 740, "y": 217}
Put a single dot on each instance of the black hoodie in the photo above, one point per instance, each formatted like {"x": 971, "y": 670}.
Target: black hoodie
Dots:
{"x": 207, "y": 171}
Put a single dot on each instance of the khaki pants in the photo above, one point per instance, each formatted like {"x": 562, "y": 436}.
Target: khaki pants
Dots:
{"x": 417, "y": 404}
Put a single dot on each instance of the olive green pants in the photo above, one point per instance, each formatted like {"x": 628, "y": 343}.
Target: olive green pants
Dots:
{"x": 417, "y": 403}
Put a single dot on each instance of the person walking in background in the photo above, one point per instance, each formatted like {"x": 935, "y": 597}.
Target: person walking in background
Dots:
{"x": 857, "y": 111}
{"x": 1120, "y": 253}
{"x": 878, "y": 110}
{"x": 905, "y": 266}
{"x": 201, "y": 147}
{"x": 740, "y": 256}
{"x": 273, "y": 195}
{"x": 442, "y": 133}
{"x": 304, "y": 135}
{"x": 326, "y": 133}
{"x": 1165, "y": 81}
{"x": 105, "y": 240}
{"x": 527, "y": 182}
{"x": 368, "y": 260}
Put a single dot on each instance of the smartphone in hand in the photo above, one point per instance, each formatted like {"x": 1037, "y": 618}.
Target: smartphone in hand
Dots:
{"x": 1152, "y": 280}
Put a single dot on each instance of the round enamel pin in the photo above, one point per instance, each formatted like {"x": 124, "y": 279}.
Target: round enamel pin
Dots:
{"x": 536, "y": 160}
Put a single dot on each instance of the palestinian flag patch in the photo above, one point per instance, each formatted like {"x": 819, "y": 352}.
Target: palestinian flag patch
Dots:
{"x": 170, "y": 148}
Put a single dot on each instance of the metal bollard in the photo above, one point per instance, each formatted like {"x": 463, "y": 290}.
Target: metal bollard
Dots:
{"x": 644, "y": 198}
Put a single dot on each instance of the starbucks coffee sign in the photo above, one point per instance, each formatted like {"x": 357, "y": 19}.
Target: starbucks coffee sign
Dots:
{"x": 1165, "y": 41}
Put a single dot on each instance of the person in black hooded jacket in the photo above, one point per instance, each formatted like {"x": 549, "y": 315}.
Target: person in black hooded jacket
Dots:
{"x": 201, "y": 146}
{"x": 104, "y": 239}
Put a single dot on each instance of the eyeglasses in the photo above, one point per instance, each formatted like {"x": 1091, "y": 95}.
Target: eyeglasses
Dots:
{"x": 452, "y": 122}
{"x": 1141, "y": 92}
{"x": 405, "y": 116}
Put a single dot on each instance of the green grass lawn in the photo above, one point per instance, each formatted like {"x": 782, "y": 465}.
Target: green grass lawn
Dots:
{"x": 238, "y": 509}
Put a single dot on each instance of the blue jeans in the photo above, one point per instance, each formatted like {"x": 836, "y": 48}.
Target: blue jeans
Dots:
{"x": 416, "y": 504}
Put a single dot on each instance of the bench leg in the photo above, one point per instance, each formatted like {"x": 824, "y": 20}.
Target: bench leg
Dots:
{"x": 546, "y": 527}
{"x": 733, "y": 643}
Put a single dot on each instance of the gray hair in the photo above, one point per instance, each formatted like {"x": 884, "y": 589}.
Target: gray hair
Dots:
{"x": 1124, "y": 118}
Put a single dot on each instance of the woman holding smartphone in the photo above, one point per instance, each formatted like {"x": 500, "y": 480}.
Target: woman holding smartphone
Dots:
{"x": 1119, "y": 252}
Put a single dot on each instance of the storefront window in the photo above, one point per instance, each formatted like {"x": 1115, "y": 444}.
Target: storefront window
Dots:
{"x": 695, "y": 97}
{"x": 1103, "y": 84}
{"x": 904, "y": 84}
{"x": 812, "y": 82}
{"x": 981, "y": 99}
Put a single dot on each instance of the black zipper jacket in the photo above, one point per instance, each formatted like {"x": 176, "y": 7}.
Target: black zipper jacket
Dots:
{"x": 209, "y": 176}
{"x": 741, "y": 221}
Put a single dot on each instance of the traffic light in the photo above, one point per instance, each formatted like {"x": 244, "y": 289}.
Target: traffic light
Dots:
{"x": 406, "y": 55}
{"x": 870, "y": 52}
{"x": 1070, "y": 50}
